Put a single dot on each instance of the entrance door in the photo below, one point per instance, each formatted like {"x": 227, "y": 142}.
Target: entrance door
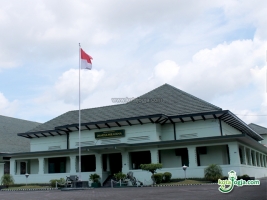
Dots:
{"x": 115, "y": 162}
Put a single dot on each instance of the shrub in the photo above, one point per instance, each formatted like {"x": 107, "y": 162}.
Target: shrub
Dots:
{"x": 53, "y": 182}
{"x": 157, "y": 177}
{"x": 120, "y": 176}
{"x": 152, "y": 167}
{"x": 7, "y": 180}
{"x": 167, "y": 177}
{"x": 245, "y": 176}
{"x": 94, "y": 177}
{"x": 60, "y": 182}
{"x": 213, "y": 172}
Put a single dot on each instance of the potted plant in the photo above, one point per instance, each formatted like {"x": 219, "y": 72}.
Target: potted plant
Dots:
{"x": 7, "y": 180}
{"x": 95, "y": 180}
{"x": 120, "y": 178}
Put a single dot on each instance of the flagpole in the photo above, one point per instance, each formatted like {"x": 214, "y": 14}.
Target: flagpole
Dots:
{"x": 79, "y": 112}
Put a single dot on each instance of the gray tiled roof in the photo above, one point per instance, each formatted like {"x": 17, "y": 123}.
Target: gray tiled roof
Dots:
{"x": 258, "y": 129}
{"x": 9, "y": 141}
{"x": 174, "y": 102}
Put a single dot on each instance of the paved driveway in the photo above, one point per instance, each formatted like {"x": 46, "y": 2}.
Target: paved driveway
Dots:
{"x": 207, "y": 192}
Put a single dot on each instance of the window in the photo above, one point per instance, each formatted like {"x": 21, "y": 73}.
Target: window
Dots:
{"x": 23, "y": 167}
{"x": 57, "y": 165}
{"x": 140, "y": 157}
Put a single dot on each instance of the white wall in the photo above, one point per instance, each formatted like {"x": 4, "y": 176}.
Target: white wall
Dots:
{"x": 34, "y": 166}
{"x": 169, "y": 159}
{"x": 215, "y": 155}
{"x": 150, "y": 131}
{"x": 167, "y": 132}
{"x": 43, "y": 143}
{"x": 207, "y": 128}
{"x": 229, "y": 130}
{"x": 187, "y": 130}
{"x": 264, "y": 141}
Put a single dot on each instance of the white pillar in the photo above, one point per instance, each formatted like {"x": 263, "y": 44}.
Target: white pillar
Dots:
{"x": 234, "y": 153}
{"x": 255, "y": 158}
{"x": 98, "y": 162}
{"x": 125, "y": 162}
{"x": 108, "y": 164}
{"x": 250, "y": 157}
{"x": 192, "y": 156}
{"x": 154, "y": 156}
{"x": 2, "y": 169}
{"x": 12, "y": 167}
{"x": 41, "y": 165}
{"x": 73, "y": 164}
{"x": 244, "y": 155}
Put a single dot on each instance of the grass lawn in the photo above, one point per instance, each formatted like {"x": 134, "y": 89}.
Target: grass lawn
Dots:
{"x": 26, "y": 187}
{"x": 187, "y": 181}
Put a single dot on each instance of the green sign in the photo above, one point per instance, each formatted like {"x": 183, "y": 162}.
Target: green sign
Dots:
{"x": 109, "y": 134}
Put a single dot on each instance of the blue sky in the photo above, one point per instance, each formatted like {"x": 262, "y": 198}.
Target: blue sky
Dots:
{"x": 214, "y": 50}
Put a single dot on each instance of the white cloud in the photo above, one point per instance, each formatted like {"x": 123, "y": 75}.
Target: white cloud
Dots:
{"x": 212, "y": 49}
{"x": 166, "y": 70}
{"x": 7, "y": 108}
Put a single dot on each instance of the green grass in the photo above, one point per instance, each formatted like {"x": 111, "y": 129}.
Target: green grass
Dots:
{"x": 187, "y": 181}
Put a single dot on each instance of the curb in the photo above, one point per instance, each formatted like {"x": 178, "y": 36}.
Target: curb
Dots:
{"x": 167, "y": 185}
{"x": 173, "y": 185}
{"x": 33, "y": 189}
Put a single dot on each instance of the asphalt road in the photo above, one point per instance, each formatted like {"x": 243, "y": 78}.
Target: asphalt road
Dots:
{"x": 207, "y": 192}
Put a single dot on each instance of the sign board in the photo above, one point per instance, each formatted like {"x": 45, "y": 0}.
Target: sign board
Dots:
{"x": 109, "y": 134}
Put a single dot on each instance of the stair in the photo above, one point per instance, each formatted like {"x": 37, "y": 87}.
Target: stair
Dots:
{"x": 107, "y": 182}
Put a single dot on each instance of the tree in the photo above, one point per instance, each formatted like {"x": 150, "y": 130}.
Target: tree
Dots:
{"x": 213, "y": 172}
{"x": 7, "y": 180}
{"x": 152, "y": 168}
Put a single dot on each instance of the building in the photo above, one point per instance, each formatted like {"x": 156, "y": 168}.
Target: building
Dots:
{"x": 165, "y": 125}
{"x": 10, "y": 142}
{"x": 262, "y": 131}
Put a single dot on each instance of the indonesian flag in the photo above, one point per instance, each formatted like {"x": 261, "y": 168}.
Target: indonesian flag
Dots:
{"x": 86, "y": 62}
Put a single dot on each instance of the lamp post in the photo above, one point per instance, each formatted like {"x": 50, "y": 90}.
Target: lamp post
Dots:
{"x": 184, "y": 168}
{"x": 27, "y": 175}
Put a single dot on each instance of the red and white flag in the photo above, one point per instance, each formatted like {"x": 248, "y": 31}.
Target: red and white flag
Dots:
{"x": 86, "y": 62}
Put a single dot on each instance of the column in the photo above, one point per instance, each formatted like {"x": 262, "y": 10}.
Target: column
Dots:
{"x": 41, "y": 165}
{"x": 2, "y": 169}
{"x": 125, "y": 162}
{"x": 234, "y": 153}
{"x": 254, "y": 158}
{"x": 108, "y": 164}
{"x": 154, "y": 156}
{"x": 192, "y": 156}
{"x": 244, "y": 156}
{"x": 12, "y": 167}
{"x": 73, "y": 164}
{"x": 98, "y": 162}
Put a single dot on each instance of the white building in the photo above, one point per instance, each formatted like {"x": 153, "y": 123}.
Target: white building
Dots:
{"x": 165, "y": 125}
{"x": 10, "y": 142}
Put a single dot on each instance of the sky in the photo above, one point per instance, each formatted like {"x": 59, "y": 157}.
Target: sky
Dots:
{"x": 215, "y": 50}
